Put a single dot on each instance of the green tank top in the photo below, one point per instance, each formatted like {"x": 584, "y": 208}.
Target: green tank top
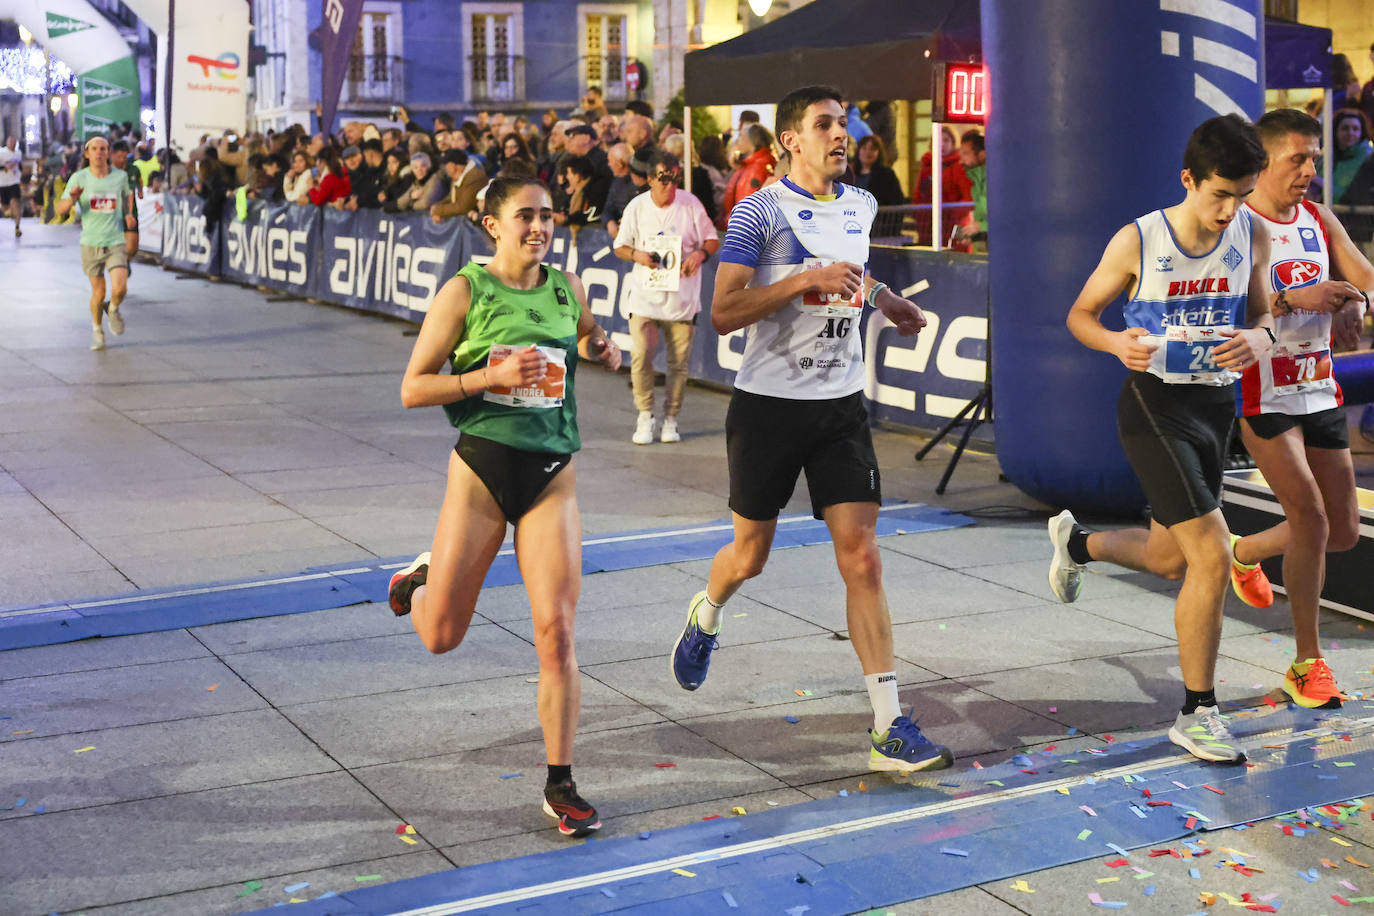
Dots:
{"x": 542, "y": 419}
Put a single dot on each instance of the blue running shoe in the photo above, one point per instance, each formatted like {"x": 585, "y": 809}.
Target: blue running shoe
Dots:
{"x": 903, "y": 749}
{"x": 692, "y": 651}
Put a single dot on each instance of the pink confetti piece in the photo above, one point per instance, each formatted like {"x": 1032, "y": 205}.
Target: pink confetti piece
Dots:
{"x": 1088, "y": 811}
{"x": 1348, "y": 886}
{"x": 1179, "y": 784}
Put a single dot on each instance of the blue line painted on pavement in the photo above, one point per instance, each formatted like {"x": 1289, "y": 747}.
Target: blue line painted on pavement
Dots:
{"x": 326, "y": 587}
{"x": 885, "y": 846}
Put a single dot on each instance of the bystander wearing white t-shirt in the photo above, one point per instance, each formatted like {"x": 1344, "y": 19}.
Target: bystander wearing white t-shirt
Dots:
{"x": 11, "y": 162}
{"x": 643, "y": 219}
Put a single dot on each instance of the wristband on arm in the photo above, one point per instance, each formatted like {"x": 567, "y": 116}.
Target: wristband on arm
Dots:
{"x": 871, "y": 298}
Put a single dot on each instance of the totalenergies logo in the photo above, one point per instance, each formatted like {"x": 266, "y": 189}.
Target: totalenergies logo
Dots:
{"x": 226, "y": 65}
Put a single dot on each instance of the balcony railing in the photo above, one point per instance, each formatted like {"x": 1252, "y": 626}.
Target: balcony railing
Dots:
{"x": 496, "y": 78}
{"x": 374, "y": 79}
{"x": 607, "y": 71}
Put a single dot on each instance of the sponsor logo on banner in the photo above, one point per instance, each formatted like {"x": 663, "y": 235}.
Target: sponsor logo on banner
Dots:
{"x": 269, "y": 252}
{"x": 226, "y": 66}
{"x": 385, "y": 268}
{"x": 99, "y": 92}
{"x": 184, "y": 237}
{"x": 59, "y": 25}
{"x": 94, "y": 124}
{"x": 1296, "y": 272}
{"x": 334, "y": 12}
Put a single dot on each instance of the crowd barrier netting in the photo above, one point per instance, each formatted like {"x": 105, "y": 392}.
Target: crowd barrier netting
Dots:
{"x": 394, "y": 263}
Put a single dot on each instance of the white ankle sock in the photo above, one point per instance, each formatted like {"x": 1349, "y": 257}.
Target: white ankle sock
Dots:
{"x": 882, "y": 693}
{"x": 708, "y": 615}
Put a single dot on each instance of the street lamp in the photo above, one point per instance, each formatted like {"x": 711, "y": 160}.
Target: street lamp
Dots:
{"x": 760, "y": 7}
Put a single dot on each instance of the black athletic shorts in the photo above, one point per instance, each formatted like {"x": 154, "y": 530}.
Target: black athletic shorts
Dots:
{"x": 1175, "y": 437}
{"x": 1323, "y": 429}
{"x": 8, "y": 194}
{"x": 514, "y": 477}
{"x": 769, "y": 441}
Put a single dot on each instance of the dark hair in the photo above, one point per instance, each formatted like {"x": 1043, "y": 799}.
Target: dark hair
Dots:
{"x": 119, "y": 146}
{"x": 975, "y": 139}
{"x": 641, "y": 108}
{"x": 445, "y": 119}
{"x": 255, "y": 160}
{"x": 711, "y": 151}
{"x": 1227, "y": 146}
{"x": 875, "y": 141}
{"x": 524, "y": 148}
{"x": 517, "y": 167}
{"x": 793, "y": 105}
{"x": 664, "y": 158}
{"x": 276, "y": 159}
{"x": 502, "y": 189}
{"x": 1342, "y": 71}
{"x": 749, "y": 116}
{"x": 1279, "y": 123}
{"x": 580, "y": 165}
{"x": 329, "y": 158}
{"x": 1351, "y": 114}
{"x": 758, "y": 136}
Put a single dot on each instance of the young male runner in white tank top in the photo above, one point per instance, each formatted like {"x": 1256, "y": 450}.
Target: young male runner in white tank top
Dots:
{"x": 792, "y": 274}
{"x": 1290, "y": 404}
{"x": 1198, "y": 313}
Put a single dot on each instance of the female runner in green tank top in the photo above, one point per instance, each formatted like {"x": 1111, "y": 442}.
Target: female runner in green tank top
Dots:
{"x": 506, "y": 329}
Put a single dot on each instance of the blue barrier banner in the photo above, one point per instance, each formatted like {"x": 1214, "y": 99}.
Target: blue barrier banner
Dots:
{"x": 186, "y": 242}
{"x": 276, "y": 246}
{"x": 384, "y": 262}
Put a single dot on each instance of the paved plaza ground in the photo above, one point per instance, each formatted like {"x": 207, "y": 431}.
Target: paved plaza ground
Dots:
{"x": 230, "y": 434}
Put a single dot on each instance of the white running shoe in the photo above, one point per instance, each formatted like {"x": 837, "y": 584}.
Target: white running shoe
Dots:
{"x": 669, "y": 432}
{"x": 116, "y": 322}
{"x": 644, "y": 429}
{"x": 1066, "y": 576}
{"x": 97, "y": 337}
{"x": 1204, "y": 735}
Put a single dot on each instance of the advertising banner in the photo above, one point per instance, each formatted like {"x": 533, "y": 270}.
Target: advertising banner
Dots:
{"x": 336, "y": 34}
{"x": 186, "y": 245}
{"x": 276, "y": 246}
{"x": 150, "y": 216}
{"x": 383, "y": 262}
{"x": 209, "y": 71}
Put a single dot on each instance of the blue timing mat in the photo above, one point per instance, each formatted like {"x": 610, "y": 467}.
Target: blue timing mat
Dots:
{"x": 340, "y": 585}
{"x": 896, "y": 843}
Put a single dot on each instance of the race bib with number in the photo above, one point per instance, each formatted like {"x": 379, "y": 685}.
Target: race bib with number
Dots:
{"x": 547, "y": 392}
{"x": 1301, "y": 367}
{"x": 1188, "y": 355}
{"x": 103, "y": 204}
{"x": 667, "y": 276}
{"x": 830, "y": 305}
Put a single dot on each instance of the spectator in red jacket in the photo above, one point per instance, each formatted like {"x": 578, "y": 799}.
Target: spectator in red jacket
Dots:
{"x": 333, "y": 180}
{"x": 751, "y": 173}
{"x": 954, "y": 187}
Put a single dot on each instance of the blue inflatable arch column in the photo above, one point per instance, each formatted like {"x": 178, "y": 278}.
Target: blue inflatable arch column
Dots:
{"x": 1092, "y": 104}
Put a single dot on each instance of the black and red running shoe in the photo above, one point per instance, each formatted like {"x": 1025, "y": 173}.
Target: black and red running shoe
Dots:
{"x": 576, "y": 818}
{"x": 405, "y": 582}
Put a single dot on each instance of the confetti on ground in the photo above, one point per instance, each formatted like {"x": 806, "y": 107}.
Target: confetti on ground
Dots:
{"x": 729, "y": 900}
{"x": 862, "y": 788}
{"x": 212, "y": 687}
{"x": 1354, "y": 861}
{"x": 40, "y": 809}
{"x": 20, "y": 802}
{"x": 951, "y": 851}
{"x": 82, "y": 750}
{"x": 249, "y": 887}
{"x": 802, "y": 693}
{"x": 408, "y": 841}
{"x": 1088, "y": 811}
{"x": 1149, "y": 890}
{"x": 738, "y": 810}
{"x": 1213, "y": 789}
{"x": 296, "y": 887}
{"x": 27, "y": 731}
{"x": 1336, "y": 839}
{"x": 793, "y": 719}
{"x": 664, "y": 765}
{"x": 684, "y": 872}
{"x": 1345, "y": 763}
{"x": 607, "y": 892}
{"x": 1062, "y": 791}
{"x": 741, "y": 614}
{"x": 1107, "y": 880}
{"x": 1054, "y": 709}
{"x": 1022, "y": 886}
{"x": 843, "y": 793}
{"x": 1084, "y": 834}
{"x": 1179, "y": 784}
{"x": 361, "y": 878}
{"x": 1194, "y": 873}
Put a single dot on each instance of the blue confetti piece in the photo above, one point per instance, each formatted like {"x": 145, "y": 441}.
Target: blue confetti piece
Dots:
{"x": 1137, "y": 812}
{"x": 20, "y": 803}
{"x": 296, "y": 887}
{"x": 512, "y": 775}
{"x": 1112, "y": 904}
{"x": 1021, "y": 760}
{"x": 1089, "y": 780}
{"x": 798, "y": 910}
{"x": 793, "y": 719}
{"x": 40, "y": 809}
{"x": 1239, "y": 860}
{"x": 1118, "y": 850}
{"x": 948, "y": 785}
{"x": 6, "y": 717}
{"x": 951, "y": 851}
{"x": 1324, "y": 776}
{"x": 729, "y": 900}
{"x": 1072, "y": 731}
{"x": 327, "y": 894}
{"x": 1307, "y": 877}
{"x": 844, "y": 793}
{"x": 1149, "y": 890}
{"x": 645, "y": 835}
{"x": 608, "y": 892}
{"x": 1194, "y": 873}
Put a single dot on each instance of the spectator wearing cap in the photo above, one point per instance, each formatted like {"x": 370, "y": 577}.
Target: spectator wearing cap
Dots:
{"x": 368, "y": 179}
{"x": 667, "y": 235}
{"x": 465, "y": 180}
{"x": 582, "y": 142}
{"x": 586, "y": 192}
{"x": 424, "y": 185}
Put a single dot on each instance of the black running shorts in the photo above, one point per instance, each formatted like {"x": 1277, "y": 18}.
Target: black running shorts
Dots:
{"x": 770, "y": 441}
{"x": 8, "y": 194}
{"x": 1323, "y": 429}
{"x": 1175, "y": 437}
{"x": 514, "y": 477}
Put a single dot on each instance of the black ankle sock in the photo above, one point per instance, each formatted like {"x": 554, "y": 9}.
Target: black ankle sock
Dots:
{"x": 559, "y": 773}
{"x": 1195, "y": 698}
{"x": 1078, "y": 545}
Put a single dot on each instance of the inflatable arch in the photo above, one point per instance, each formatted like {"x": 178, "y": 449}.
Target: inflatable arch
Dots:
{"x": 1092, "y": 104}
{"x": 106, "y": 73}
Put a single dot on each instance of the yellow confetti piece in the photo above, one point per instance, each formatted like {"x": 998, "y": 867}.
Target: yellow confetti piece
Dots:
{"x": 410, "y": 830}
{"x": 82, "y": 750}
{"x": 1023, "y": 887}
{"x": 1336, "y": 839}
{"x": 408, "y": 841}
{"x": 1062, "y": 791}
{"x": 737, "y": 616}
{"x": 1107, "y": 880}
{"x": 27, "y": 731}
{"x": 297, "y": 900}
{"x": 212, "y": 687}
{"x": 684, "y": 872}
{"x": 738, "y": 810}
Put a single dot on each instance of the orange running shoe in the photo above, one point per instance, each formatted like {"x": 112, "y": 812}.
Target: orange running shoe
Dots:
{"x": 1250, "y": 583}
{"x": 1311, "y": 684}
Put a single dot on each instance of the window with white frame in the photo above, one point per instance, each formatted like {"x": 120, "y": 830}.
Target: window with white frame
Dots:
{"x": 494, "y": 40}
{"x": 606, "y": 43}
{"x": 374, "y": 67}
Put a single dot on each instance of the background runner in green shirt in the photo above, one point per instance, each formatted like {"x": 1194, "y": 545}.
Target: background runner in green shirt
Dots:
{"x": 106, "y": 212}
